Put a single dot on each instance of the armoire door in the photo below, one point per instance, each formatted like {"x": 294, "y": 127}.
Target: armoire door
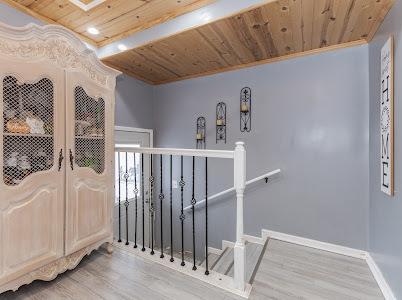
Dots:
{"x": 32, "y": 142}
{"x": 89, "y": 184}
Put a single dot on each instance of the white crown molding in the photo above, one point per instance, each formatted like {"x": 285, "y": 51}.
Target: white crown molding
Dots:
{"x": 87, "y": 7}
{"x": 379, "y": 277}
{"x": 57, "y": 44}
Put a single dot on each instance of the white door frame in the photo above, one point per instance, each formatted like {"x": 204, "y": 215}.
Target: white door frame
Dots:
{"x": 140, "y": 130}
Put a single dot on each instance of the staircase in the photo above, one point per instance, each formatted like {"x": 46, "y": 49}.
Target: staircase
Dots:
{"x": 222, "y": 261}
{"x": 231, "y": 268}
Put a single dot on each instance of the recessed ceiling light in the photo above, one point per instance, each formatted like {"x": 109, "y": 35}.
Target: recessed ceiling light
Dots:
{"x": 122, "y": 47}
{"x": 93, "y": 30}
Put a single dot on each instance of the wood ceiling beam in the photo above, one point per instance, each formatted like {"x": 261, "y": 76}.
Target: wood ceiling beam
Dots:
{"x": 267, "y": 61}
{"x": 275, "y": 31}
{"x": 128, "y": 72}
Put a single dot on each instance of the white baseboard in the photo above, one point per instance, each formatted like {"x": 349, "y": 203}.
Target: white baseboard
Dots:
{"x": 314, "y": 244}
{"x": 227, "y": 244}
{"x": 254, "y": 239}
{"x": 215, "y": 250}
{"x": 385, "y": 288}
{"x": 247, "y": 238}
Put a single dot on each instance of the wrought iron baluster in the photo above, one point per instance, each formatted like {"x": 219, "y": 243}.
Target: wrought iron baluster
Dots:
{"x": 171, "y": 209}
{"x": 182, "y": 216}
{"x": 119, "y": 188}
{"x": 136, "y": 202}
{"x": 151, "y": 204}
{"x": 161, "y": 197}
{"x": 143, "y": 202}
{"x": 206, "y": 216}
{"x": 193, "y": 202}
{"x": 126, "y": 203}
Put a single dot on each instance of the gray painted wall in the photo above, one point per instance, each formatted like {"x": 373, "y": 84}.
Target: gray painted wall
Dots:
{"x": 310, "y": 118}
{"x": 133, "y": 103}
{"x": 385, "y": 242}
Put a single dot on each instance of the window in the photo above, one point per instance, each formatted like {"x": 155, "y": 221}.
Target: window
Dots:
{"x": 125, "y": 161}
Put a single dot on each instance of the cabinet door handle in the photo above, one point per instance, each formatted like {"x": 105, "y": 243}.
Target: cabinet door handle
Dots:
{"x": 61, "y": 157}
{"x": 71, "y": 160}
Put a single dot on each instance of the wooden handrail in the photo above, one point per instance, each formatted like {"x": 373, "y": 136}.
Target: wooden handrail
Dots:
{"x": 231, "y": 190}
{"x": 179, "y": 152}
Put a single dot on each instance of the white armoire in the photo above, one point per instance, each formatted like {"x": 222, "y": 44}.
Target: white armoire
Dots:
{"x": 56, "y": 153}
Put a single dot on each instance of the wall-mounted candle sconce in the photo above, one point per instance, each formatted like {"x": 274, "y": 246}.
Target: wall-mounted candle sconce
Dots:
{"x": 200, "y": 134}
{"x": 221, "y": 122}
{"x": 245, "y": 110}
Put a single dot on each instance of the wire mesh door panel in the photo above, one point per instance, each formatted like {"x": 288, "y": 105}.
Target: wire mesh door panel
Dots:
{"x": 28, "y": 143}
{"x": 89, "y": 136}
{"x": 89, "y": 131}
{"x": 32, "y": 132}
{"x": 32, "y": 137}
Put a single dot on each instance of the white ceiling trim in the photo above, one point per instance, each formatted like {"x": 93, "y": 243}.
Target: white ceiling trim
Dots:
{"x": 88, "y": 6}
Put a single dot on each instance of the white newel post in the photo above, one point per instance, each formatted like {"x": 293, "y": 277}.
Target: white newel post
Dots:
{"x": 240, "y": 185}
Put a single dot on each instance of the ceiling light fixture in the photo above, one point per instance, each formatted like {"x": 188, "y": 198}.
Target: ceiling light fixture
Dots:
{"x": 122, "y": 47}
{"x": 93, "y": 30}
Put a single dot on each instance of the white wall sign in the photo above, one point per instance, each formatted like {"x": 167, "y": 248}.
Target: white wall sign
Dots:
{"x": 387, "y": 118}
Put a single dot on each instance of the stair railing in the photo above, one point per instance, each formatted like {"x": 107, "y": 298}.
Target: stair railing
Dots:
{"x": 127, "y": 175}
{"x": 216, "y": 196}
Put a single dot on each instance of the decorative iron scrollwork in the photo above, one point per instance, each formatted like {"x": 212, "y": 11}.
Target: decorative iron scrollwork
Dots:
{"x": 200, "y": 134}
{"x": 221, "y": 122}
{"x": 245, "y": 110}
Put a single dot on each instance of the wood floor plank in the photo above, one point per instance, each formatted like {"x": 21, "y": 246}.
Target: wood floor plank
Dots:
{"x": 286, "y": 272}
{"x": 313, "y": 274}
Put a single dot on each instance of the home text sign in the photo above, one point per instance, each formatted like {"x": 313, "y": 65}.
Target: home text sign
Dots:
{"x": 387, "y": 118}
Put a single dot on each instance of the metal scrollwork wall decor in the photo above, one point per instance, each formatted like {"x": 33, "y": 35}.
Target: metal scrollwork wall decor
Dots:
{"x": 221, "y": 122}
{"x": 200, "y": 134}
{"x": 245, "y": 110}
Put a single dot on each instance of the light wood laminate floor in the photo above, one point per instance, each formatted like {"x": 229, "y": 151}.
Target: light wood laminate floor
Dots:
{"x": 286, "y": 271}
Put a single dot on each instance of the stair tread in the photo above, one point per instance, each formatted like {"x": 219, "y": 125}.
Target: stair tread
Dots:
{"x": 253, "y": 254}
{"x": 225, "y": 261}
{"x": 212, "y": 258}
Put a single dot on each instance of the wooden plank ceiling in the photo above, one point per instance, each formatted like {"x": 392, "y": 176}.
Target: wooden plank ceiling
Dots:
{"x": 273, "y": 31}
{"x": 115, "y": 19}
